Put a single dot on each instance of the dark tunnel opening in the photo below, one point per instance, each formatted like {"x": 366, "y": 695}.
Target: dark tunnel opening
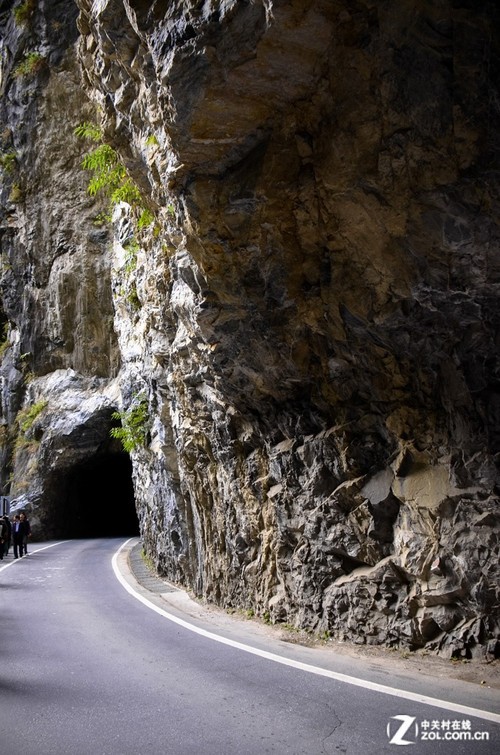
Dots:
{"x": 99, "y": 499}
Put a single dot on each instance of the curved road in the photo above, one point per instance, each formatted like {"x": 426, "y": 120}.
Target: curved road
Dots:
{"x": 91, "y": 664}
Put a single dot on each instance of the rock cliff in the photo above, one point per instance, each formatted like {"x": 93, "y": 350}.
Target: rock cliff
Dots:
{"x": 293, "y": 298}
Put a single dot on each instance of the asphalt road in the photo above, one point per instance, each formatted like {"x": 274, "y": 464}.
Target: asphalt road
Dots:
{"x": 91, "y": 664}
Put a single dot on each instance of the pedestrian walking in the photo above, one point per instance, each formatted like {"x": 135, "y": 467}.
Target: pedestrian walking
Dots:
{"x": 8, "y": 535}
{"x": 25, "y": 533}
{"x": 17, "y": 536}
{"x": 4, "y": 538}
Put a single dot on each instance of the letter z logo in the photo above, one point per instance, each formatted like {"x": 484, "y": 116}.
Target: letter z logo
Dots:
{"x": 397, "y": 737}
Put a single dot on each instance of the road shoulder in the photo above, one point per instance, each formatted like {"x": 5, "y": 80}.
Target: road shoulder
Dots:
{"x": 478, "y": 672}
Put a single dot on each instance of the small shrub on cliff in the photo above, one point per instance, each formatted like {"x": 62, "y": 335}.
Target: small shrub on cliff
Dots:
{"x": 16, "y": 194}
{"x": 22, "y": 14}
{"x": 32, "y": 63}
{"x": 131, "y": 250}
{"x": 8, "y": 162}
{"x": 4, "y": 334}
{"x": 133, "y": 432}
{"x": 133, "y": 299}
{"x": 27, "y": 417}
{"x": 148, "y": 561}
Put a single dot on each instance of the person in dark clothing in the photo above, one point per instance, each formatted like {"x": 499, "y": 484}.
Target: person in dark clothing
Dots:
{"x": 4, "y": 538}
{"x": 25, "y": 533}
{"x": 5, "y": 535}
{"x": 9, "y": 538}
{"x": 17, "y": 536}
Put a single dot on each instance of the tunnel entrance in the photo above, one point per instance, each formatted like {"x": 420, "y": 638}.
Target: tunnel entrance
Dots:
{"x": 99, "y": 499}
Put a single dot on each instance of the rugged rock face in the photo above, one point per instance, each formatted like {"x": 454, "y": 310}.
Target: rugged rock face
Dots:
{"x": 311, "y": 318}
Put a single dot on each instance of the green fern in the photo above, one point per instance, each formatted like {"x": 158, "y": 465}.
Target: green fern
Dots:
{"x": 88, "y": 130}
{"x": 109, "y": 176}
{"x": 146, "y": 218}
{"x": 107, "y": 172}
{"x": 126, "y": 191}
{"x": 134, "y": 426}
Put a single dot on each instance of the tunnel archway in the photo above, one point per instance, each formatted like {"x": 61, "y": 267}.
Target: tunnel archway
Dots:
{"x": 99, "y": 499}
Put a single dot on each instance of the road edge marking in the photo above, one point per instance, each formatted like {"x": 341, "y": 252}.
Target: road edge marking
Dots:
{"x": 284, "y": 661}
{"x": 31, "y": 553}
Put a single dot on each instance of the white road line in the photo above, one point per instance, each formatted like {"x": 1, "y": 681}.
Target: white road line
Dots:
{"x": 365, "y": 684}
{"x": 31, "y": 553}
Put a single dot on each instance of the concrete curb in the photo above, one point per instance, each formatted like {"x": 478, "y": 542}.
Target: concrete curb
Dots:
{"x": 143, "y": 574}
